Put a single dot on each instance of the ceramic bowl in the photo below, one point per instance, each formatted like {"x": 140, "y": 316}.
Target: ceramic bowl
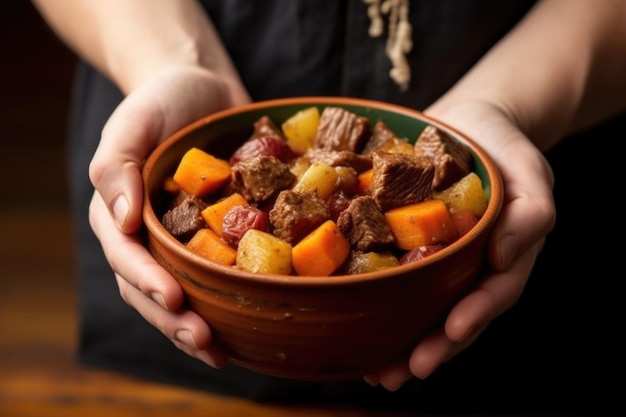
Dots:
{"x": 315, "y": 328}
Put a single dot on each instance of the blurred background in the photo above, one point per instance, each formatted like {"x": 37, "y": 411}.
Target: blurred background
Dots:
{"x": 37, "y": 294}
{"x": 35, "y": 77}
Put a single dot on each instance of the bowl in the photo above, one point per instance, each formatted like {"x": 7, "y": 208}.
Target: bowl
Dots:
{"x": 316, "y": 328}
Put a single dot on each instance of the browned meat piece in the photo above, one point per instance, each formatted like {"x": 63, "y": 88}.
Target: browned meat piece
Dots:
{"x": 184, "y": 220}
{"x": 259, "y": 178}
{"x": 364, "y": 225}
{"x": 380, "y": 136}
{"x": 338, "y": 202}
{"x": 452, "y": 159}
{"x": 266, "y": 127}
{"x": 340, "y": 158}
{"x": 400, "y": 179}
{"x": 296, "y": 213}
{"x": 341, "y": 130}
{"x": 239, "y": 219}
{"x": 263, "y": 145}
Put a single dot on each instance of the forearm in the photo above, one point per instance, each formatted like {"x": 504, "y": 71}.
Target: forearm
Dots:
{"x": 128, "y": 40}
{"x": 561, "y": 69}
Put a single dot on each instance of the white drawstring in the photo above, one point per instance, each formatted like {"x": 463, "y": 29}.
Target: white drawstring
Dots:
{"x": 399, "y": 38}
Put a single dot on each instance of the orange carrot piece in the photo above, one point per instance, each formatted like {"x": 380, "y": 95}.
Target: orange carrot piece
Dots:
{"x": 424, "y": 223}
{"x": 214, "y": 214}
{"x": 321, "y": 252}
{"x": 365, "y": 181}
{"x": 208, "y": 245}
{"x": 200, "y": 173}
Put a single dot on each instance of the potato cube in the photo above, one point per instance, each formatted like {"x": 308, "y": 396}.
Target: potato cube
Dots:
{"x": 467, "y": 193}
{"x": 263, "y": 253}
{"x": 301, "y": 129}
{"x": 319, "y": 176}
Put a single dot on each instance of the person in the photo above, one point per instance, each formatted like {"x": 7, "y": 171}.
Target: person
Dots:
{"x": 516, "y": 76}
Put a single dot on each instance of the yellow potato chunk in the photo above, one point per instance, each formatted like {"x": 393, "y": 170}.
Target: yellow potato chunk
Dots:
{"x": 467, "y": 193}
{"x": 263, "y": 253}
{"x": 319, "y": 176}
{"x": 362, "y": 262}
{"x": 301, "y": 128}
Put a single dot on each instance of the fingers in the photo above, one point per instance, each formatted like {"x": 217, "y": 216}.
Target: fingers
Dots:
{"x": 151, "y": 290}
{"x": 129, "y": 258}
{"x": 392, "y": 377}
{"x": 185, "y": 329}
{"x": 493, "y": 296}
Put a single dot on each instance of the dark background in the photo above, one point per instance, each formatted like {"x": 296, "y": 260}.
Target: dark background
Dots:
{"x": 35, "y": 80}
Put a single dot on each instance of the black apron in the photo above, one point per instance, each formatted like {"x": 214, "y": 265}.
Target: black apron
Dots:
{"x": 314, "y": 47}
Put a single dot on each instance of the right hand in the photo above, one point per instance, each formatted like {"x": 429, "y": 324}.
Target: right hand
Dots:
{"x": 160, "y": 106}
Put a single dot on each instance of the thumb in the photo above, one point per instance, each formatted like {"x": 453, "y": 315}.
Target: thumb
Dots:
{"x": 131, "y": 132}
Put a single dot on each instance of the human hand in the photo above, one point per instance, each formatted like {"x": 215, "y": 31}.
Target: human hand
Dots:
{"x": 166, "y": 102}
{"x": 527, "y": 216}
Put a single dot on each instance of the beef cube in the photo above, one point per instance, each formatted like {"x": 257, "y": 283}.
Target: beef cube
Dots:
{"x": 341, "y": 130}
{"x": 400, "y": 179}
{"x": 364, "y": 225}
{"x": 452, "y": 159}
{"x": 339, "y": 158}
{"x": 184, "y": 220}
{"x": 380, "y": 137}
{"x": 296, "y": 213}
{"x": 261, "y": 177}
{"x": 265, "y": 127}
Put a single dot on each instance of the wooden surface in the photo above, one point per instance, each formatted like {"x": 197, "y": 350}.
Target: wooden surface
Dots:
{"x": 39, "y": 376}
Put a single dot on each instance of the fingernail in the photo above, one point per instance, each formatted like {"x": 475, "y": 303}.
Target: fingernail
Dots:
{"x": 120, "y": 210}
{"x": 372, "y": 380}
{"x": 158, "y": 298}
{"x": 185, "y": 336}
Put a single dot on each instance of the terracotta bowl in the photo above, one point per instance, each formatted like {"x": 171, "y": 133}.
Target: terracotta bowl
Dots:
{"x": 315, "y": 328}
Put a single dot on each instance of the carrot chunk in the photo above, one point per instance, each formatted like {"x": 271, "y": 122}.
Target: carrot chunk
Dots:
{"x": 199, "y": 173}
{"x": 208, "y": 245}
{"x": 424, "y": 223}
{"x": 214, "y": 214}
{"x": 321, "y": 252}
{"x": 365, "y": 181}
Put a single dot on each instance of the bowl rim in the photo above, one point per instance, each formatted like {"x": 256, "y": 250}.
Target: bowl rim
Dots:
{"x": 154, "y": 225}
